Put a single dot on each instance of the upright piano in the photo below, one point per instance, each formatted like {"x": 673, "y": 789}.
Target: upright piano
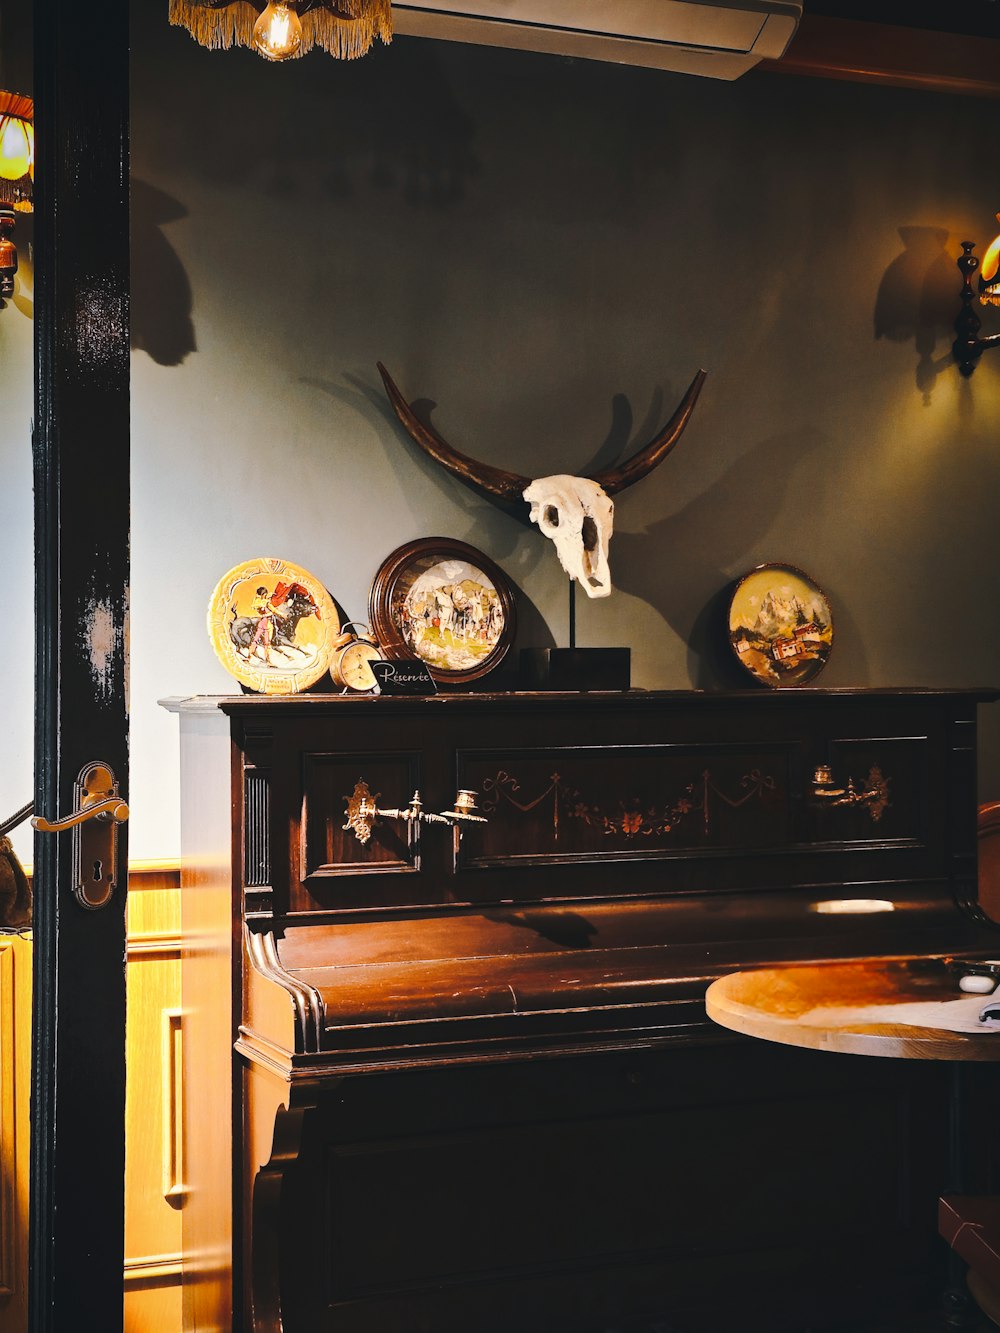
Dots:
{"x": 447, "y": 1064}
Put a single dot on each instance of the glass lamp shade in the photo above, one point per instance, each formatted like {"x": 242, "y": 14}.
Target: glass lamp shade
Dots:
{"x": 989, "y": 273}
{"x": 277, "y": 34}
{"x": 17, "y": 151}
{"x": 16, "y": 148}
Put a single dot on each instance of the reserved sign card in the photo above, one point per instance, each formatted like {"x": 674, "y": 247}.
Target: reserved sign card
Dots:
{"x": 404, "y": 677}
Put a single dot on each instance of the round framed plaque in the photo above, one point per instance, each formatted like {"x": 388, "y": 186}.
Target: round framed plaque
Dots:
{"x": 445, "y": 603}
{"x": 780, "y": 625}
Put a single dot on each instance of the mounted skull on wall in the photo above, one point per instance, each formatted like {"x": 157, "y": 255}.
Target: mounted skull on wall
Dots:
{"x": 576, "y": 513}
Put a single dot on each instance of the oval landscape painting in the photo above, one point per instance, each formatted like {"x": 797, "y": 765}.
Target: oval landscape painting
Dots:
{"x": 780, "y": 625}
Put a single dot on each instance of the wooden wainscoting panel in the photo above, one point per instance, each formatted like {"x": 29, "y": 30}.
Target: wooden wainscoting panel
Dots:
{"x": 15, "y": 1090}
{"x": 154, "y": 1149}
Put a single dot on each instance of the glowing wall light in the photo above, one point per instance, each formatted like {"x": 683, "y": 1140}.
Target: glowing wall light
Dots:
{"x": 968, "y": 347}
{"x": 17, "y": 175}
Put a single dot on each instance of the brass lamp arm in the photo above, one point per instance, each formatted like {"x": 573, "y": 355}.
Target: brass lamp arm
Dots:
{"x": 362, "y": 810}
{"x": 874, "y": 795}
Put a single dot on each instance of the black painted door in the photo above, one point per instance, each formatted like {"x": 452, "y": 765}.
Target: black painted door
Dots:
{"x": 81, "y": 453}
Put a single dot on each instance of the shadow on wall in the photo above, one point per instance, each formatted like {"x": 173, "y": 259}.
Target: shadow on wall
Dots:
{"x": 367, "y": 397}
{"x": 488, "y": 524}
{"x": 918, "y": 299}
{"x": 388, "y": 123}
{"x": 714, "y": 665}
{"x": 681, "y": 564}
{"x": 161, "y": 292}
{"x": 425, "y": 156}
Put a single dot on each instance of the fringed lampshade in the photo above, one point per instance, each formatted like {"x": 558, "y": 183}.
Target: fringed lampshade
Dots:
{"x": 284, "y": 29}
{"x": 17, "y": 175}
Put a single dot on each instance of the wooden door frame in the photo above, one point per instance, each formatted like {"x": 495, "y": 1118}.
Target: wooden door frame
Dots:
{"x": 81, "y": 460}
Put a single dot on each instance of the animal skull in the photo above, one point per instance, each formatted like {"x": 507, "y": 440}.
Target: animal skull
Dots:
{"x": 576, "y": 514}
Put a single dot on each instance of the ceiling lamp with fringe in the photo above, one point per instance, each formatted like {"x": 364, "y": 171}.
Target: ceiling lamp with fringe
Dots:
{"x": 284, "y": 29}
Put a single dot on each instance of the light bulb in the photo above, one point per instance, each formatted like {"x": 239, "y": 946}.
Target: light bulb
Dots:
{"x": 277, "y": 34}
{"x": 16, "y": 154}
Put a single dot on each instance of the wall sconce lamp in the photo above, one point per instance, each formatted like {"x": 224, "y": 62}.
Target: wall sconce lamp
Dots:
{"x": 284, "y": 29}
{"x": 17, "y": 175}
{"x": 968, "y": 347}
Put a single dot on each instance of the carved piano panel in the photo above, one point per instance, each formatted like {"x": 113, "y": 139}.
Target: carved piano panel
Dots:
{"x": 492, "y": 1034}
{"x": 615, "y": 796}
{"x": 329, "y": 848}
{"x": 576, "y": 805}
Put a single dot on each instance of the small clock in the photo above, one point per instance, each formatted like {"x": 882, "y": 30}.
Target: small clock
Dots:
{"x": 353, "y": 654}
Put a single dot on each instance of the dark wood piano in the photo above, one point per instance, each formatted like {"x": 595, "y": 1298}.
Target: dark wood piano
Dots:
{"x": 447, "y": 1065}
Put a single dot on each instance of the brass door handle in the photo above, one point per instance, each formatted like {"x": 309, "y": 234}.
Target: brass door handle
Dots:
{"x": 97, "y": 812}
{"x": 113, "y": 808}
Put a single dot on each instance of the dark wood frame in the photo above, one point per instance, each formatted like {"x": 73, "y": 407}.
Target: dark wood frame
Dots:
{"x": 81, "y": 471}
{"x": 386, "y": 588}
{"x": 807, "y": 578}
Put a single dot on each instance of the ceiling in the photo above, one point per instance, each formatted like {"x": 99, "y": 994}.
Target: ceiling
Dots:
{"x": 976, "y": 18}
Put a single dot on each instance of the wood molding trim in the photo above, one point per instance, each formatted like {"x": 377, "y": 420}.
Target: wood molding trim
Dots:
{"x": 8, "y": 1124}
{"x": 166, "y": 944}
{"x": 154, "y": 875}
{"x": 15, "y": 1080}
{"x": 865, "y": 52}
{"x": 152, "y": 1280}
{"x": 172, "y": 1076}
{"x": 155, "y": 1188}
{"x": 144, "y": 942}
{"x": 143, "y": 874}
{"x": 152, "y": 1268}
{"x": 148, "y": 877}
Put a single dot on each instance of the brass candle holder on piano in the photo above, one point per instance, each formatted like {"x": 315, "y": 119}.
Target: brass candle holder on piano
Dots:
{"x": 362, "y": 811}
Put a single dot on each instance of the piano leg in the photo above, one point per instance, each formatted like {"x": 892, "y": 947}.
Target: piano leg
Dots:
{"x": 276, "y": 1116}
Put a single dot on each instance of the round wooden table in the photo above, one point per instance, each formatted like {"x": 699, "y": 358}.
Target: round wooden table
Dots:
{"x": 906, "y": 1008}
{"x": 903, "y": 1008}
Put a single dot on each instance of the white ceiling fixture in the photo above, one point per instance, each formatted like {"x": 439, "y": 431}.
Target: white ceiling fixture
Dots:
{"x": 720, "y": 40}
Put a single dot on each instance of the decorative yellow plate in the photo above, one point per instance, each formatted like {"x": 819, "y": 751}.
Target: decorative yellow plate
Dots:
{"x": 273, "y": 626}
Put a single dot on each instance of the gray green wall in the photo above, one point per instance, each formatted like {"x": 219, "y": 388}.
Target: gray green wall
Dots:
{"x": 17, "y": 550}
{"x": 549, "y": 249}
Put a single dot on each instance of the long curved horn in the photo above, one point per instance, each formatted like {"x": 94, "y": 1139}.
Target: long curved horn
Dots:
{"x": 493, "y": 481}
{"x": 617, "y": 478}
